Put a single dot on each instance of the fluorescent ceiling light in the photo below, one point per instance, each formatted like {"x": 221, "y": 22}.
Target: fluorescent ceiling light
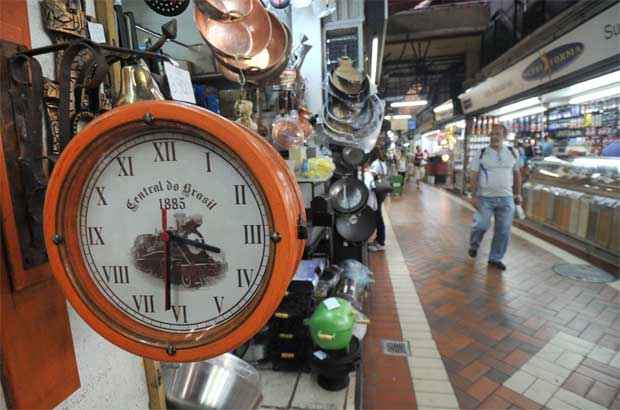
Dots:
{"x": 523, "y": 113}
{"x": 430, "y": 133}
{"x": 595, "y": 95}
{"x": 373, "y": 60}
{"x": 517, "y": 106}
{"x": 447, "y": 106}
{"x": 398, "y": 117}
{"x": 409, "y": 103}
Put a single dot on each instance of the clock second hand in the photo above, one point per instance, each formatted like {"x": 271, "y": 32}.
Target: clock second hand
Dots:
{"x": 165, "y": 236}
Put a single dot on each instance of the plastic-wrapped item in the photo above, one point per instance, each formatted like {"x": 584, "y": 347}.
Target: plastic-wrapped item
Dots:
{"x": 328, "y": 281}
{"x": 365, "y": 137}
{"x": 358, "y": 271}
{"x": 286, "y": 131}
{"x": 320, "y": 168}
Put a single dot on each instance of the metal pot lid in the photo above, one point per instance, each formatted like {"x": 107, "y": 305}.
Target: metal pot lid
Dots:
{"x": 239, "y": 38}
{"x": 348, "y": 195}
{"x": 365, "y": 138}
{"x": 356, "y": 227}
{"x": 353, "y": 105}
{"x": 280, "y": 4}
{"x": 352, "y": 124}
{"x": 354, "y": 156}
{"x": 168, "y": 8}
{"x": 346, "y": 93}
{"x": 342, "y": 112}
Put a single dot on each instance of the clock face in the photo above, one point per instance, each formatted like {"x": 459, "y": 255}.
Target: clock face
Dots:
{"x": 218, "y": 222}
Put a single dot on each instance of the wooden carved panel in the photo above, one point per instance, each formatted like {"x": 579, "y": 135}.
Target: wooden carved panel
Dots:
{"x": 27, "y": 259}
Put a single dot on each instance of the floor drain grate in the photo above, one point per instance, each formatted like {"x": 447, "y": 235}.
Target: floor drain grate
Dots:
{"x": 395, "y": 347}
{"x": 586, "y": 273}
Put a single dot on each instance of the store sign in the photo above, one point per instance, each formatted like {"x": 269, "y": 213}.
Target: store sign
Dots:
{"x": 552, "y": 61}
{"x": 586, "y": 45}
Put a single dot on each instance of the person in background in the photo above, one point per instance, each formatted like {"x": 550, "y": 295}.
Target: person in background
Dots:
{"x": 522, "y": 158}
{"x": 418, "y": 160}
{"x": 402, "y": 165}
{"x": 496, "y": 188}
{"x": 379, "y": 170}
{"x": 547, "y": 146}
{"x": 611, "y": 150}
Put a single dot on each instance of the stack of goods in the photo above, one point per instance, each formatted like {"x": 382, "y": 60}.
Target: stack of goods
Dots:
{"x": 353, "y": 114}
{"x": 338, "y": 350}
{"x": 289, "y": 345}
{"x": 249, "y": 43}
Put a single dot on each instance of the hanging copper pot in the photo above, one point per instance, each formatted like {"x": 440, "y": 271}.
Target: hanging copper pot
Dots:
{"x": 238, "y": 38}
{"x": 257, "y": 77}
{"x": 267, "y": 58}
{"x": 225, "y": 9}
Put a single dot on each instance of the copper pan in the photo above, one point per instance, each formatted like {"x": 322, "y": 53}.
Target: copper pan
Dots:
{"x": 225, "y": 9}
{"x": 268, "y": 58}
{"x": 242, "y": 38}
{"x": 259, "y": 77}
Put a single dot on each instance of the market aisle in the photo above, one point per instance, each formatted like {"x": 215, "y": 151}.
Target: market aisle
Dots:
{"x": 526, "y": 338}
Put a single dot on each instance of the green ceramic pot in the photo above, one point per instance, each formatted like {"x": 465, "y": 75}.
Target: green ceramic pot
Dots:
{"x": 331, "y": 324}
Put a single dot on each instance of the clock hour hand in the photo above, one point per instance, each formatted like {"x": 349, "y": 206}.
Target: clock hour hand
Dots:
{"x": 197, "y": 244}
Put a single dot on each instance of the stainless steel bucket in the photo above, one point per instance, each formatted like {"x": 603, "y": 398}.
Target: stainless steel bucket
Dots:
{"x": 224, "y": 382}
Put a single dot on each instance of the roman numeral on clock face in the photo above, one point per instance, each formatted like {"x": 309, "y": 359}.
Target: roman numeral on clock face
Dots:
{"x": 180, "y": 313}
{"x": 101, "y": 201}
{"x": 244, "y": 277}
{"x": 208, "y": 161}
{"x": 144, "y": 303}
{"x": 219, "y": 303}
{"x": 118, "y": 274}
{"x": 126, "y": 164}
{"x": 240, "y": 195}
{"x": 253, "y": 234}
{"x": 164, "y": 151}
{"x": 95, "y": 235}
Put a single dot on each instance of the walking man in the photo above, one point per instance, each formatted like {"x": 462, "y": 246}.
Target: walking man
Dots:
{"x": 418, "y": 158}
{"x": 496, "y": 188}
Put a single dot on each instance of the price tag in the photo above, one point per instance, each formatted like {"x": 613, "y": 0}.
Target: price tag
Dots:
{"x": 96, "y": 32}
{"x": 180, "y": 83}
{"x": 321, "y": 355}
{"x": 331, "y": 303}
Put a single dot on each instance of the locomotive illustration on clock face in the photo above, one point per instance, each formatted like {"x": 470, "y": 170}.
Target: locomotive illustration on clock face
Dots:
{"x": 193, "y": 263}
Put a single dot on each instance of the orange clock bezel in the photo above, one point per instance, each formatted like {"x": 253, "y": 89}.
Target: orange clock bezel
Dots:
{"x": 70, "y": 174}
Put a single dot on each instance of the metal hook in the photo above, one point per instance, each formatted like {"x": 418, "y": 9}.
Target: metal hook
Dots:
{"x": 241, "y": 77}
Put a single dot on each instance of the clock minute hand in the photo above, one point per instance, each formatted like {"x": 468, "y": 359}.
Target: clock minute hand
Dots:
{"x": 165, "y": 236}
{"x": 197, "y": 244}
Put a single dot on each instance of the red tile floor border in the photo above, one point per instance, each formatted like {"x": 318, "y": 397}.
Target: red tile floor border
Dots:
{"x": 486, "y": 324}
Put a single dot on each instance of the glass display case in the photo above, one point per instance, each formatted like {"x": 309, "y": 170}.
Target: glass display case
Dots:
{"x": 579, "y": 198}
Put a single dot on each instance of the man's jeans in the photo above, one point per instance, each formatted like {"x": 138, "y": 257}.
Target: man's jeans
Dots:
{"x": 503, "y": 208}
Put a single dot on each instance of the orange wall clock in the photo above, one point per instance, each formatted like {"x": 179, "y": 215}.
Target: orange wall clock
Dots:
{"x": 172, "y": 231}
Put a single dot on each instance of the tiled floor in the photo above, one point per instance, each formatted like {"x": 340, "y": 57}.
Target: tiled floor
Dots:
{"x": 525, "y": 338}
{"x": 299, "y": 391}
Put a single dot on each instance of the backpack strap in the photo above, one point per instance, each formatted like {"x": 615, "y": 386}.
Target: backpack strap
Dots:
{"x": 482, "y": 152}
{"x": 512, "y": 151}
